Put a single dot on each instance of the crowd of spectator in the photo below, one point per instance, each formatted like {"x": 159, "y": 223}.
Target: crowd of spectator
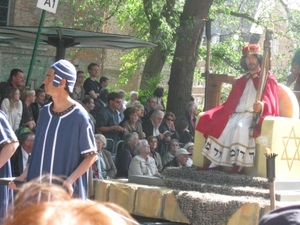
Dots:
{"x": 131, "y": 138}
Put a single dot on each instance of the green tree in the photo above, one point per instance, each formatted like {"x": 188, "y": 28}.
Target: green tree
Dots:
{"x": 170, "y": 23}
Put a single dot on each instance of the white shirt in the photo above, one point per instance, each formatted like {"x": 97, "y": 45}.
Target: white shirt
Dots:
{"x": 25, "y": 156}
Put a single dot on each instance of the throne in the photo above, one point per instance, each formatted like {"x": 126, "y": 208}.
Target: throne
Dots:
{"x": 279, "y": 135}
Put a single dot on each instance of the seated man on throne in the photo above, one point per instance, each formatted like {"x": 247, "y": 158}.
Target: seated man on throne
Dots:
{"x": 228, "y": 129}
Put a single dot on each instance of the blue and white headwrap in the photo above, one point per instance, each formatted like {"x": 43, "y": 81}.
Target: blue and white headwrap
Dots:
{"x": 64, "y": 70}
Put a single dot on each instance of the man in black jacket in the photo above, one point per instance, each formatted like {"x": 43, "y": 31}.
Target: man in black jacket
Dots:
{"x": 180, "y": 159}
{"x": 21, "y": 156}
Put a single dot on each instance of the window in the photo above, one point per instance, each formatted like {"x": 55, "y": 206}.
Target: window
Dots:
{"x": 4, "y": 5}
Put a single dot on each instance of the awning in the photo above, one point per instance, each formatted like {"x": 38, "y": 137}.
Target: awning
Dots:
{"x": 62, "y": 38}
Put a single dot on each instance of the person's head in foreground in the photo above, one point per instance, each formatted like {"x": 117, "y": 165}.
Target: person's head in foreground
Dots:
{"x": 40, "y": 203}
{"x": 289, "y": 215}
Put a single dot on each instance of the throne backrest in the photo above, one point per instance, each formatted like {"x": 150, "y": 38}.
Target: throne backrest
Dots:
{"x": 288, "y": 103}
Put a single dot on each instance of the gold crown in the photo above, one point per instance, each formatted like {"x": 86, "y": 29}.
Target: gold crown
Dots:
{"x": 251, "y": 49}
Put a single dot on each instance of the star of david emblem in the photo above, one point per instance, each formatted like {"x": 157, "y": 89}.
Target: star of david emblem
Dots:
{"x": 288, "y": 142}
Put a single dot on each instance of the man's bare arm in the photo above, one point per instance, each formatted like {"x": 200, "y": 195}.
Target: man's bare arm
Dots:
{"x": 291, "y": 79}
{"x": 93, "y": 94}
{"x": 81, "y": 169}
{"x": 7, "y": 151}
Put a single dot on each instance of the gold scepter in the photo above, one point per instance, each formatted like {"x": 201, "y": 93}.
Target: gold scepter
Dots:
{"x": 265, "y": 67}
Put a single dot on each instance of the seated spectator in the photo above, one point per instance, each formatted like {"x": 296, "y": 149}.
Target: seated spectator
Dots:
{"x": 88, "y": 104}
{"x": 13, "y": 108}
{"x": 159, "y": 93}
{"x": 183, "y": 132}
{"x": 151, "y": 126}
{"x": 180, "y": 160}
{"x": 78, "y": 91}
{"x": 107, "y": 122}
{"x": 168, "y": 125}
{"x": 167, "y": 128}
{"x": 170, "y": 154}
{"x": 133, "y": 98}
{"x": 133, "y": 124}
{"x": 190, "y": 148}
{"x": 125, "y": 155}
{"x": 151, "y": 106}
{"x": 28, "y": 97}
{"x": 124, "y": 102}
{"x": 190, "y": 117}
{"x": 142, "y": 163}
{"x": 100, "y": 102}
{"x": 104, "y": 167}
{"x": 104, "y": 82}
{"x": 40, "y": 97}
{"x": 20, "y": 158}
{"x": 155, "y": 155}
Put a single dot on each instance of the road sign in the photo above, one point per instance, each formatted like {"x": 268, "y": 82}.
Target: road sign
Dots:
{"x": 48, "y": 5}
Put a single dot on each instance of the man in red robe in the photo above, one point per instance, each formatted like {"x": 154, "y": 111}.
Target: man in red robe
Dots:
{"x": 227, "y": 128}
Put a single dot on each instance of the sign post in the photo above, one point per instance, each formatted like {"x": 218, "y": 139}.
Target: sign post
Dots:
{"x": 46, "y": 5}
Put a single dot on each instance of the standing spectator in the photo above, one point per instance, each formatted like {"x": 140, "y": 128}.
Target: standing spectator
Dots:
{"x": 133, "y": 98}
{"x": 159, "y": 94}
{"x": 64, "y": 144}
{"x": 142, "y": 163}
{"x": 108, "y": 121}
{"x": 104, "y": 82}
{"x": 133, "y": 124}
{"x": 88, "y": 105}
{"x": 13, "y": 107}
{"x": 16, "y": 79}
{"x": 40, "y": 97}
{"x": 104, "y": 167}
{"x": 91, "y": 86}
{"x": 153, "y": 153}
{"x": 78, "y": 92}
{"x": 191, "y": 111}
{"x": 125, "y": 155}
{"x": 28, "y": 97}
{"x": 20, "y": 158}
{"x": 8, "y": 145}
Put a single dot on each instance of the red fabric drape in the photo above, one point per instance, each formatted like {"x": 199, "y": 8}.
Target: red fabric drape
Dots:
{"x": 213, "y": 121}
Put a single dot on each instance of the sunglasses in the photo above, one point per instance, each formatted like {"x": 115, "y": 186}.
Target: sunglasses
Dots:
{"x": 170, "y": 119}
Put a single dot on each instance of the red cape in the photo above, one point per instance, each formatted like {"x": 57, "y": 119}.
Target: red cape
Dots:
{"x": 213, "y": 122}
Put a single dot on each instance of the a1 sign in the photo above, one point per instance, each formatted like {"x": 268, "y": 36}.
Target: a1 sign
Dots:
{"x": 48, "y": 5}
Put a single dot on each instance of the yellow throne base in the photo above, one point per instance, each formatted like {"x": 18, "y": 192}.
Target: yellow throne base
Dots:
{"x": 279, "y": 135}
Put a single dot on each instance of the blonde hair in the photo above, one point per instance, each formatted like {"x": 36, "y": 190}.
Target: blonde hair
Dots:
{"x": 102, "y": 138}
{"x": 71, "y": 212}
{"x": 26, "y": 93}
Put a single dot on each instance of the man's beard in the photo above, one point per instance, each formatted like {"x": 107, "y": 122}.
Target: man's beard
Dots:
{"x": 252, "y": 66}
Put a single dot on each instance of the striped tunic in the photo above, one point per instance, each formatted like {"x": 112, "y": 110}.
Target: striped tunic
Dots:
{"x": 7, "y": 135}
{"x": 59, "y": 146}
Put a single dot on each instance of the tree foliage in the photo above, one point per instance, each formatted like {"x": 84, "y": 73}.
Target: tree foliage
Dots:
{"x": 158, "y": 21}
